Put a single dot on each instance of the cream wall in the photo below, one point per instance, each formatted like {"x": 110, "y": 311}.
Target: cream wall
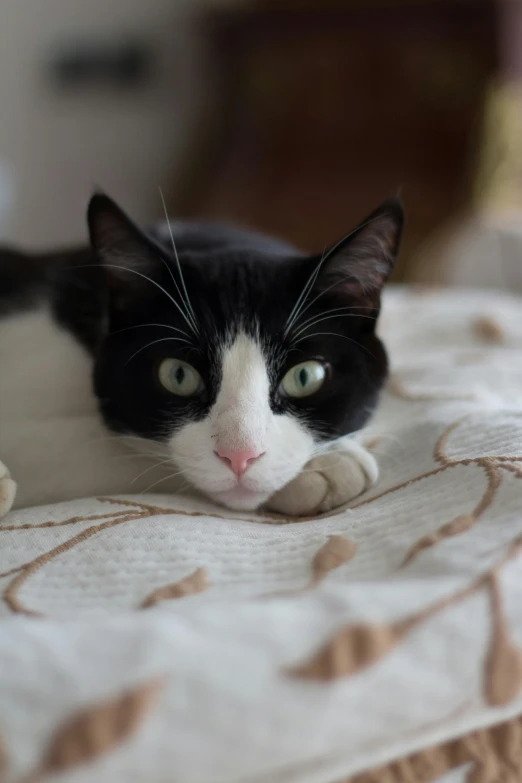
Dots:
{"x": 56, "y": 147}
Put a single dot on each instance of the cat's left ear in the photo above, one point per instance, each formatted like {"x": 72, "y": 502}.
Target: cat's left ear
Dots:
{"x": 126, "y": 254}
{"x": 360, "y": 264}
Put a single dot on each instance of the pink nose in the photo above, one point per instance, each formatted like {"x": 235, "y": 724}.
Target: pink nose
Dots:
{"x": 239, "y": 461}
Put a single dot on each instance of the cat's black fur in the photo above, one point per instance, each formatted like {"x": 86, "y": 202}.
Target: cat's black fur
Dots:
{"x": 234, "y": 280}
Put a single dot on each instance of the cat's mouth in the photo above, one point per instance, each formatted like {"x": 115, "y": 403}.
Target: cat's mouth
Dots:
{"x": 240, "y": 498}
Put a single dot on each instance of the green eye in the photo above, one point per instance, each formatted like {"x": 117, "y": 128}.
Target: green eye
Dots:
{"x": 304, "y": 379}
{"x": 179, "y": 377}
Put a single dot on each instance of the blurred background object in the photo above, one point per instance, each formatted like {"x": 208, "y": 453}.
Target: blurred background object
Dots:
{"x": 94, "y": 93}
{"x": 294, "y": 117}
{"x": 326, "y": 108}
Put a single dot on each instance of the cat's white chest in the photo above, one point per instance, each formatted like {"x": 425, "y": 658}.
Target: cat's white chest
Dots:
{"x": 52, "y": 437}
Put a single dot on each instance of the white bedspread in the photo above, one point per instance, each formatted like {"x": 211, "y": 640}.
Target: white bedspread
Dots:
{"x": 175, "y": 642}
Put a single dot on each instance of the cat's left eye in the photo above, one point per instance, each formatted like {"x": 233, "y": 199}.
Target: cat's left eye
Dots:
{"x": 304, "y": 379}
{"x": 179, "y": 377}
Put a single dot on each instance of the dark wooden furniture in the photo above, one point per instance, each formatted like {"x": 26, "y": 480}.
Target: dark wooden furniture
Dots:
{"x": 323, "y": 110}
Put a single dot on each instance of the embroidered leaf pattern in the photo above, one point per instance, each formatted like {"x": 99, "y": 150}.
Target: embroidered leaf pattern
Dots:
{"x": 196, "y": 582}
{"x": 491, "y": 755}
{"x": 97, "y": 730}
{"x": 334, "y": 553}
{"x": 504, "y": 660}
{"x": 454, "y": 528}
{"x": 351, "y": 650}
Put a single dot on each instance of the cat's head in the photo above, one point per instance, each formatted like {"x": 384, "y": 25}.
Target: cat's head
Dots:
{"x": 244, "y": 359}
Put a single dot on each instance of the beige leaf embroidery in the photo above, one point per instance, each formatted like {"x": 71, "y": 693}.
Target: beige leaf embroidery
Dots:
{"x": 493, "y": 753}
{"x": 454, "y": 528}
{"x": 196, "y": 582}
{"x": 351, "y": 650}
{"x": 335, "y": 552}
{"x": 489, "y": 329}
{"x": 504, "y": 661}
{"x": 96, "y": 730}
{"x": 356, "y": 647}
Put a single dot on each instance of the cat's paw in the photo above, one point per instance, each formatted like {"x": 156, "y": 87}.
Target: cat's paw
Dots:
{"x": 7, "y": 490}
{"x": 326, "y": 482}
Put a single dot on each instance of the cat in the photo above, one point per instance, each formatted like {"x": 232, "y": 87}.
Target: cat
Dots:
{"x": 192, "y": 357}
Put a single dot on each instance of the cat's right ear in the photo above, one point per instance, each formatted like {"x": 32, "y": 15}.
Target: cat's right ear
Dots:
{"x": 358, "y": 266}
{"x": 126, "y": 254}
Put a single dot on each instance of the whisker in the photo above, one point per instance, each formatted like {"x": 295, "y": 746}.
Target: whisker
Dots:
{"x": 161, "y": 340}
{"x": 334, "y": 334}
{"x": 151, "y": 467}
{"x": 140, "y": 274}
{"x": 311, "y": 322}
{"x": 139, "y": 455}
{"x": 302, "y": 296}
{"x": 142, "y": 326}
{"x": 145, "y": 277}
{"x": 188, "y": 305}
{"x": 292, "y": 318}
{"x": 337, "y": 309}
{"x": 165, "y": 478}
{"x": 126, "y": 439}
{"x": 325, "y": 291}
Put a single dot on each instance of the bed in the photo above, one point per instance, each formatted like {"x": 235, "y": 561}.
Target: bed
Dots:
{"x": 159, "y": 639}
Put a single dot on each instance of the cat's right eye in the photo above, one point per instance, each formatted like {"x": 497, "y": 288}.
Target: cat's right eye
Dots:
{"x": 304, "y": 379}
{"x": 179, "y": 378}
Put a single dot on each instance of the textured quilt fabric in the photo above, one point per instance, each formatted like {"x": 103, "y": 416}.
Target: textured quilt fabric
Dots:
{"x": 159, "y": 639}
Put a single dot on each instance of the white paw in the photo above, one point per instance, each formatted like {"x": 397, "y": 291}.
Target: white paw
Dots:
{"x": 7, "y": 490}
{"x": 327, "y": 481}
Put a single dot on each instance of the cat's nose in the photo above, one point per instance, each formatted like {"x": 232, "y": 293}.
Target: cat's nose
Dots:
{"x": 239, "y": 461}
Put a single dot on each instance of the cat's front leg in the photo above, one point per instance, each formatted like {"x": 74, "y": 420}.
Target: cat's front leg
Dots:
{"x": 7, "y": 490}
{"x": 327, "y": 481}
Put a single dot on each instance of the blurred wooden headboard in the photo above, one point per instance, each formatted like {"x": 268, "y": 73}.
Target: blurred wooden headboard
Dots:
{"x": 322, "y": 111}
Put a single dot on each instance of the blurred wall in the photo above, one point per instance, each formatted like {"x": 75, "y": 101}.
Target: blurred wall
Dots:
{"x": 55, "y": 146}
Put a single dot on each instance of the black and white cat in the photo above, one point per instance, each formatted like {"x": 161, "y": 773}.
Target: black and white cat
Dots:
{"x": 228, "y": 362}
